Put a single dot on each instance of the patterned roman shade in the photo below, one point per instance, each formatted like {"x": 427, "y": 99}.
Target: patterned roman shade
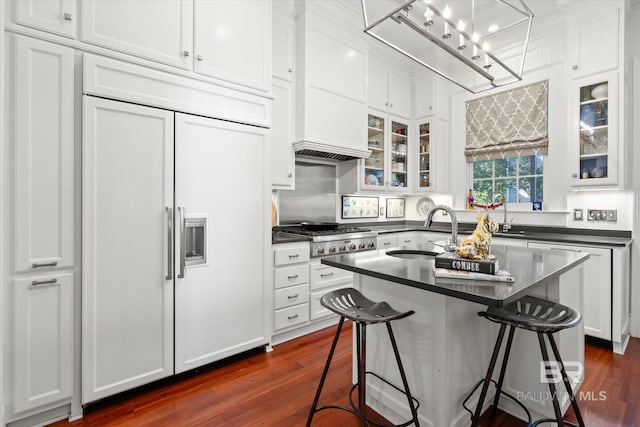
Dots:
{"x": 508, "y": 124}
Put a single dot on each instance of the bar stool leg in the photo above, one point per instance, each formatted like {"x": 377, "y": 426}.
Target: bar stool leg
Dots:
{"x": 565, "y": 379}
{"x": 405, "y": 383}
{"x": 552, "y": 386}
{"x": 362, "y": 371}
{"x": 324, "y": 372}
{"x": 503, "y": 369}
{"x": 487, "y": 379}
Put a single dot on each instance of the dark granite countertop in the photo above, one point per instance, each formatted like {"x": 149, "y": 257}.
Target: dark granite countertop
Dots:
{"x": 280, "y": 237}
{"x": 530, "y": 268}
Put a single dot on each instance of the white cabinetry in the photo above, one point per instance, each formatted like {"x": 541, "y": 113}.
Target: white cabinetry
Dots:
{"x": 233, "y": 41}
{"x": 161, "y": 32}
{"x": 594, "y": 44}
{"x": 323, "y": 279}
{"x": 40, "y": 358}
{"x": 597, "y": 287}
{"x": 291, "y": 285}
{"x": 44, "y": 209}
{"x": 282, "y": 154}
{"x": 57, "y": 17}
{"x": 405, "y": 238}
{"x": 331, "y": 91}
{"x": 43, "y": 341}
{"x": 202, "y": 35}
{"x": 594, "y": 142}
{"x": 389, "y": 91}
{"x": 127, "y": 296}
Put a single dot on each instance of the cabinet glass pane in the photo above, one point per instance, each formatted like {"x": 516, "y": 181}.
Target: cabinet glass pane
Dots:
{"x": 424, "y": 161}
{"x": 594, "y": 131}
{"x": 374, "y": 164}
{"x": 399, "y": 149}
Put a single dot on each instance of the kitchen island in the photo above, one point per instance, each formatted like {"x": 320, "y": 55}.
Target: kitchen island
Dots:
{"x": 446, "y": 346}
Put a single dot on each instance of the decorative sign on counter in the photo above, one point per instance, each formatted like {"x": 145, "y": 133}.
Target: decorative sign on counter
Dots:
{"x": 395, "y": 208}
{"x": 360, "y": 207}
{"x": 453, "y": 261}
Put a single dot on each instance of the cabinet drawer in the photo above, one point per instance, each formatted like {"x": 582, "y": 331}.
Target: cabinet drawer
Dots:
{"x": 386, "y": 242}
{"x": 323, "y": 276}
{"x": 291, "y": 316}
{"x": 317, "y": 310}
{"x": 291, "y": 255}
{"x": 291, "y": 296}
{"x": 289, "y": 276}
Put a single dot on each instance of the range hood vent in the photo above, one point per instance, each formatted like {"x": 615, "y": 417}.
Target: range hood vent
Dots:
{"x": 328, "y": 151}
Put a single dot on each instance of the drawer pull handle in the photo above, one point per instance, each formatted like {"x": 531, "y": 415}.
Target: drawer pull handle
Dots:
{"x": 44, "y": 282}
{"x": 293, "y": 296}
{"x": 407, "y": 241}
{"x": 567, "y": 249}
{"x": 44, "y": 264}
{"x": 295, "y": 276}
{"x": 295, "y": 316}
{"x": 386, "y": 243}
{"x": 326, "y": 275}
{"x": 294, "y": 256}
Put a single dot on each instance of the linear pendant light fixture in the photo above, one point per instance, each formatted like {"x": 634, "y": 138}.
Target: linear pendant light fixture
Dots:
{"x": 476, "y": 44}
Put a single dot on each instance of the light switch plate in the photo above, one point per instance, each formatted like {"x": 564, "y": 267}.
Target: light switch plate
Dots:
{"x": 577, "y": 215}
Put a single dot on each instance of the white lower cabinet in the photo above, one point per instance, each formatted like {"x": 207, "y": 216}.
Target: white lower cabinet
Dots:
{"x": 597, "y": 287}
{"x": 324, "y": 279}
{"x": 43, "y": 340}
{"x": 291, "y": 285}
{"x": 387, "y": 241}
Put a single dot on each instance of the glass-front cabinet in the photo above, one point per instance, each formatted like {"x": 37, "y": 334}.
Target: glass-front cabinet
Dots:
{"x": 387, "y": 167}
{"x": 595, "y": 131}
{"x": 424, "y": 159}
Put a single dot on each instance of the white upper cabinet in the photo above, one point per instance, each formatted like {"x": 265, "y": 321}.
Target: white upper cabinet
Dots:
{"x": 389, "y": 90}
{"x": 282, "y": 155}
{"x": 44, "y": 150}
{"x": 594, "y": 41}
{"x": 159, "y": 31}
{"x": 284, "y": 33}
{"x": 57, "y": 17}
{"x": 233, "y": 41}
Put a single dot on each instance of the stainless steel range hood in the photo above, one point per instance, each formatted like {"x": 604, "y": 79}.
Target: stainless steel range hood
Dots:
{"x": 328, "y": 151}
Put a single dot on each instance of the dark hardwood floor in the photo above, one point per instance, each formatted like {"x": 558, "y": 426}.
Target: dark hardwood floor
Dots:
{"x": 277, "y": 388}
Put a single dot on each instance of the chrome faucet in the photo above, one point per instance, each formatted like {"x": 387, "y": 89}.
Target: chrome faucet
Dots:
{"x": 451, "y": 247}
{"x": 506, "y": 225}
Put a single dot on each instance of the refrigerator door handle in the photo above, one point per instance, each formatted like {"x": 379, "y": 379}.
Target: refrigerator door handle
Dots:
{"x": 169, "y": 213}
{"x": 182, "y": 243}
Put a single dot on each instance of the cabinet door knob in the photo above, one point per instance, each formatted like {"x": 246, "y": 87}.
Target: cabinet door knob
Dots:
{"x": 67, "y": 16}
{"x": 386, "y": 104}
{"x": 186, "y": 53}
{"x": 575, "y": 67}
{"x": 199, "y": 58}
{"x": 290, "y": 70}
{"x": 391, "y": 105}
{"x": 289, "y": 175}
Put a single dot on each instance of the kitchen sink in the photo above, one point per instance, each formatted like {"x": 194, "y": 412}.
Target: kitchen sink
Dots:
{"x": 412, "y": 253}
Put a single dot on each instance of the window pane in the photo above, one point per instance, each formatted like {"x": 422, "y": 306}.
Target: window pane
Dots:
{"x": 508, "y": 188}
{"x": 538, "y": 189}
{"x": 539, "y": 164}
{"x": 482, "y": 169}
{"x": 525, "y": 189}
{"x": 506, "y": 167}
{"x": 527, "y": 164}
{"x": 481, "y": 190}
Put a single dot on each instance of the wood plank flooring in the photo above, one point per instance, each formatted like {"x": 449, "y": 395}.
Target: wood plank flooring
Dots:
{"x": 277, "y": 389}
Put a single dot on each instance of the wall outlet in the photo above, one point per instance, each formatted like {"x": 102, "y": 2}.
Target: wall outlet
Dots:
{"x": 577, "y": 215}
{"x": 610, "y": 215}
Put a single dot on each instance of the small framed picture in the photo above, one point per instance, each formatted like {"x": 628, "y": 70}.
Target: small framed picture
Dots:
{"x": 360, "y": 207}
{"x": 395, "y": 208}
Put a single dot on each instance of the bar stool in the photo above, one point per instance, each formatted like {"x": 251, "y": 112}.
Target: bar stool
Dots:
{"x": 545, "y": 318}
{"x": 351, "y": 304}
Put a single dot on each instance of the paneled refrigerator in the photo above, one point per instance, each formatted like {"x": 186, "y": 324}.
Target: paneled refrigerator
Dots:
{"x": 175, "y": 243}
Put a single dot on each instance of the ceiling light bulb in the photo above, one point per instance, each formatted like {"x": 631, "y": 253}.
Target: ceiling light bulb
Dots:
{"x": 462, "y": 44}
{"x": 461, "y": 25}
{"x": 475, "y": 38}
{"x": 485, "y": 47}
{"x": 446, "y": 15}
{"x": 428, "y": 16}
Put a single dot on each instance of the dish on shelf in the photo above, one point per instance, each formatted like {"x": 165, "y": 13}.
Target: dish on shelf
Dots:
{"x": 600, "y": 91}
{"x": 424, "y": 205}
{"x": 372, "y": 179}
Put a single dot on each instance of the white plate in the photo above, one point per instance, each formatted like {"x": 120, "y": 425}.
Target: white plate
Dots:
{"x": 424, "y": 205}
{"x": 372, "y": 179}
{"x": 600, "y": 91}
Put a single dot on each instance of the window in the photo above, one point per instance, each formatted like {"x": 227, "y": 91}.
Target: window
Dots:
{"x": 518, "y": 178}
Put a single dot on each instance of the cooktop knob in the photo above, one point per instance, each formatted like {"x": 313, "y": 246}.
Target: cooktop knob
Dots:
{"x": 320, "y": 251}
{"x": 371, "y": 245}
{"x": 343, "y": 248}
{"x": 352, "y": 247}
{"x": 361, "y": 246}
{"x": 332, "y": 249}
